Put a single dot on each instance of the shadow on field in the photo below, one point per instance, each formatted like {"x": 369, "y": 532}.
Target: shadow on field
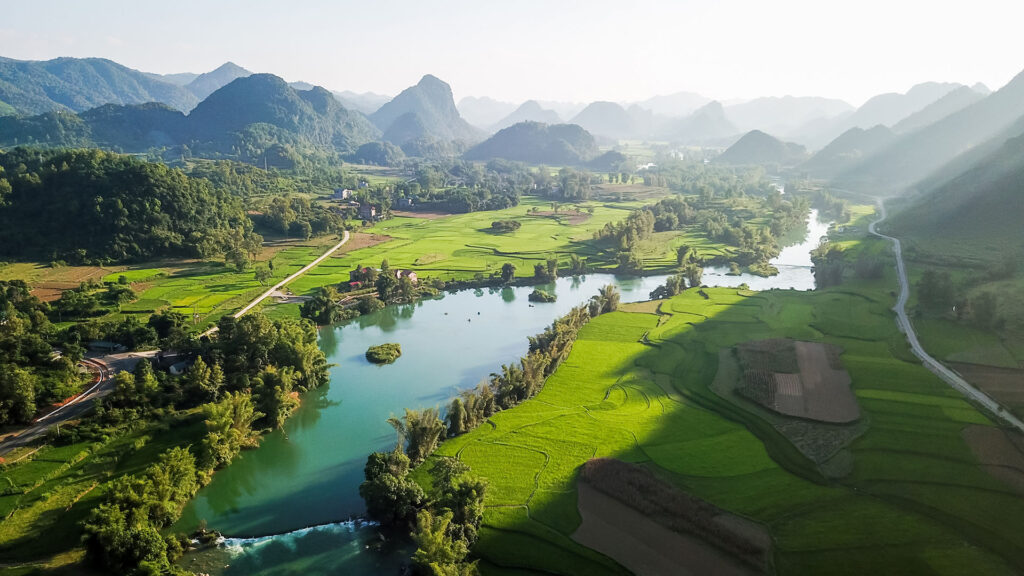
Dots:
{"x": 636, "y": 388}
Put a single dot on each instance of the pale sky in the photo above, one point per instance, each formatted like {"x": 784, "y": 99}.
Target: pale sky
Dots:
{"x": 546, "y": 49}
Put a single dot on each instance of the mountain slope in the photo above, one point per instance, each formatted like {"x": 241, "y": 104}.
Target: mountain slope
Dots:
{"x": 756, "y": 147}
{"x": 983, "y": 207}
{"x": 915, "y": 155}
{"x": 538, "y": 143}
{"x": 80, "y": 84}
{"x": 529, "y": 111}
{"x": 244, "y": 119}
{"x": 365, "y": 102}
{"x": 707, "y": 125}
{"x": 210, "y": 82}
{"x": 426, "y": 110}
{"x": 848, "y": 149}
{"x": 314, "y": 115}
{"x": 888, "y": 109}
{"x": 955, "y": 101}
{"x": 606, "y": 119}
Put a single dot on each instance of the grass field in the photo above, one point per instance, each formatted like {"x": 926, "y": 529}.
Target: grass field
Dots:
{"x": 914, "y": 501}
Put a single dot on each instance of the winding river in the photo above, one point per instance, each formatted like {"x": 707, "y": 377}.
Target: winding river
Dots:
{"x": 292, "y": 506}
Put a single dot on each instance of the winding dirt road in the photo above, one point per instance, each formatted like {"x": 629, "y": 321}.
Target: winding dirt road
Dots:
{"x": 936, "y": 367}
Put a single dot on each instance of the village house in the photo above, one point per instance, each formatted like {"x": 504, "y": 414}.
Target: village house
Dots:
{"x": 342, "y": 194}
{"x": 407, "y": 274}
{"x": 404, "y": 203}
{"x": 368, "y": 212}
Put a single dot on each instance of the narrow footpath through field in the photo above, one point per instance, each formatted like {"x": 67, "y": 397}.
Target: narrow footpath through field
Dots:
{"x": 282, "y": 283}
{"x": 936, "y": 367}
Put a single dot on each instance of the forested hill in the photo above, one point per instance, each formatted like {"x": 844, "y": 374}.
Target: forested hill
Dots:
{"x": 82, "y": 83}
{"x": 255, "y": 119}
{"x": 94, "y": 206}
{"x": 533, "y": 142}
{"x": 756, "y": 147}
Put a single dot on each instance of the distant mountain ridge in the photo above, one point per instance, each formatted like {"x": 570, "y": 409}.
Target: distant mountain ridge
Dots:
{"x": 78, "y": 84}
{"x": 248, "y": 117}
{"x": 209, "y": 82}
{"x": 706, "y": 125}
{"x": 484, "y": 112}
{"x": 914, "y": 156}
{"x": 607, "y": 119}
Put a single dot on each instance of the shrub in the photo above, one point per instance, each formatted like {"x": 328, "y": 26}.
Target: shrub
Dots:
{"x": 384, "y": 353}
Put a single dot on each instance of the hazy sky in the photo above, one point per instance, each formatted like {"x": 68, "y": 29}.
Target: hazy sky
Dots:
{"x": 546, "y": 49}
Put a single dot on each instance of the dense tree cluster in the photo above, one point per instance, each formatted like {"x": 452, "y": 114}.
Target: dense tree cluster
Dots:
{"x": 31, "y": 374}
{"x": 298, "y": 217}
{"x": 92, "y": 206}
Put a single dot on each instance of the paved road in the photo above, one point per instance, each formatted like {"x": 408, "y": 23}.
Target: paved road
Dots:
{"x": 903, "y": 321}
{"x": 106, "y": 367}
{"x": 282, "y": 283}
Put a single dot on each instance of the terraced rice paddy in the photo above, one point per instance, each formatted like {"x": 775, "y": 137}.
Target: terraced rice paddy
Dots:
{"x": 913, "y": 499}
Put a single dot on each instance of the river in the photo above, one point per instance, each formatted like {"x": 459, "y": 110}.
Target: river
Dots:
{"x": 292, "y": 505}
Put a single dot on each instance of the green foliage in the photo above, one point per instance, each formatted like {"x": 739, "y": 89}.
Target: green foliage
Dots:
{"x": 391, "y": 496}
{"x": 419, "y": 432}
{"x": 112, "y": 208}
{"x": 502, "y": 226}
{"x": 539, "y": 295}
{"x": 323, "y": 308}
{"x": 30, "y": 376}
{"x": 384, "y": 353}
{"x": 536, "y": 143}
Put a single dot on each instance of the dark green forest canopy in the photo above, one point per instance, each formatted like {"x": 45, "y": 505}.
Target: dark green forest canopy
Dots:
{"x": 93, "y": 206}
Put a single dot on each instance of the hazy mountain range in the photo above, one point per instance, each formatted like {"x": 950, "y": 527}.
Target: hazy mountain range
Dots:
{"x": 891, "y": 142}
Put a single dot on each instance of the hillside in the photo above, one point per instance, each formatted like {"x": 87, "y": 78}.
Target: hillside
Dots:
{"x": 245, "y": 119}
{"x": 848, "y": 149}
{"x": 707, "y": 125}
{"x": 112, "y": 208}
{"x": 606, "y": 119}
{"x": 82, "y": 83}
{"x": 982, "y": 208}
{"x": 529, "y": 111}
{"x": 756, "y": 147}
{"x": 955, "y": 101}
{"x": 537, "y": 143}
{"x": 208, "y": 83}
{"x": 426, "y": 110}
{"x": 916, "y": 155}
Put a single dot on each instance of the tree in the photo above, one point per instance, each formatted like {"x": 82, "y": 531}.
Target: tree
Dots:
{"x": 508, "y": 272}
{"x": 935, "y": 291}
{"x": 386, "y": 282}
{"x": 456, "y": 417}
{"x": 420, "y": 431}
{"x": 437, "y": 553}
{"x": 17, "y": 394}
{"x": 391, "y": 496}
{"x": 985, "y": 309}
{"x": 323, "y": 308}
{"x": 262, "y": 274}
{"x": 273, "y": 390}
{"x": 694, "y": 274}
{"x": 200, "y": 384}
{"x": 606, "y": 300}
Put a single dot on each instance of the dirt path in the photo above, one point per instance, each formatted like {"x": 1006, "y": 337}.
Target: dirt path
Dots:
{"x": 277, "y": 287}
{"x": 936, "y": 367}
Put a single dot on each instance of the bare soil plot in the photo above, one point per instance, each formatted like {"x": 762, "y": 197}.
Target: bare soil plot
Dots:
{"x": 573, "y": 217}
{"x": 1000, "y": 452}
{"x": 653, "y": 529}
{"x": 800, "y": 379}
{"x": 1006, "y": 385}
{"x": 821, "y": 442}
{"x": 358, "y": 240}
